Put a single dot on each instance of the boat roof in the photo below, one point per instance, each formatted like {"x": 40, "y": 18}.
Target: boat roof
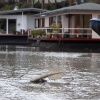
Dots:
{"x": 98, "y": 19}
{"x": 84, "y": 6}
{"x": 26, "y": 10}
{"x": 80, "y": 7}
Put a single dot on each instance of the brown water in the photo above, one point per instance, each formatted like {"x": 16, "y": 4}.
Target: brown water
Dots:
{"x": 18, "y": 65}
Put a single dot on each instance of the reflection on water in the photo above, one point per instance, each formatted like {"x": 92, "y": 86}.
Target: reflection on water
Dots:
{"x": 19, "y": 64}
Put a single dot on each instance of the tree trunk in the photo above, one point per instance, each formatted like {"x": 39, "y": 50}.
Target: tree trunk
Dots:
{"x": 42, "y": 4}
{"x": 70, "y": 2}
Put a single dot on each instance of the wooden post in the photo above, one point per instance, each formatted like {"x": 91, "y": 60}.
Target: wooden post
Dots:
{"x": 70, "y": 2}
{"x": 7, "y": 26}
{"x": 22, "y": 23}
{"x": 75, "y": 23}
{"x": 42, "y": 4}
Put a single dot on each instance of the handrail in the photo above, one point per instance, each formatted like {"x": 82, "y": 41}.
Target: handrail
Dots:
{"x": 67, "y": 28}
{"x": 72, "y": 32}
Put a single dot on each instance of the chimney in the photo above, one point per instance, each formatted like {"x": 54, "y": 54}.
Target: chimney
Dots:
{"x": 16, "y": 8}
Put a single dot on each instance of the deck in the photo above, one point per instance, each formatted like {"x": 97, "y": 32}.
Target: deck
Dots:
{"x": 24, "y": 39}
{"x": 68, "y": 40}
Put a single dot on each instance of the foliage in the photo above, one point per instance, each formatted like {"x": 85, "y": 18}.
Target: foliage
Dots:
{"x": 37, "y": 4}
{"x": 37, "y": 32}
{"x": 25, "y": 5}
{"x": 54, "y": 25}
{"x": 2, "y": 5}
{"x": 95, "y": 1}
{"x": 8, "y": 7}
{"x": 9, "y": 4}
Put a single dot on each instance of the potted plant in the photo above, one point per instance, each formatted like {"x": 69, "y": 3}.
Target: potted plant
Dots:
{"x": 37, "y": 33}
{"x": 55, "y": 27}
{"x": 56, "y": 30}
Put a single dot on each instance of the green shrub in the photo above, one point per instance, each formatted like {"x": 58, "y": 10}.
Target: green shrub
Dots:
{"x": 56, "y": 27}
{"x": 8, "y": 7}
{"x": 37, "y": 32}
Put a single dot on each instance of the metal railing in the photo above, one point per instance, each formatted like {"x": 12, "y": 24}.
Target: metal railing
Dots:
{"x": 65, "y": 32}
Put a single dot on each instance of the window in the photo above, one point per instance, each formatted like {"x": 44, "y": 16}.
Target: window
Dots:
{"x": 83, "y": 21}
{"x": 59, "y": 20}
{"x": 40, "y": 23}
{"x": 52, "y": 20}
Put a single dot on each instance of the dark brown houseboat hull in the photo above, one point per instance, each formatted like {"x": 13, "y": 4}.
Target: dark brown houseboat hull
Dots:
{"x": 53, "y": 44}
{"x": 13, "y": 39}
{"x": 74, "y": 45}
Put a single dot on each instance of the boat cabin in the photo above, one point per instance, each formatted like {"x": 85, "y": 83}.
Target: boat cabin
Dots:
{"x": 18, "y": 20}
{"x": 71, "y": 22}
{"x": 74, "y": 20}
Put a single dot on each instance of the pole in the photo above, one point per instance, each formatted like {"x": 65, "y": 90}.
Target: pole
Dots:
{"x": 7, "y": 26}
{"x": 22, "y": 23}
{"x": 70, "y": 2}
{"x": 42, "y": 4}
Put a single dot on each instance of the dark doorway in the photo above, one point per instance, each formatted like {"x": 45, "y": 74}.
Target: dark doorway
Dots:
{"x": 11, "y": 26}
{"x": 3, "y": 26}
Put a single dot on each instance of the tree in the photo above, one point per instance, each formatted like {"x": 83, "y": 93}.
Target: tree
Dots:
{"x": 95, "y": 1}
{"x": 43, "y": 4}
{"x": 70, "y": 2}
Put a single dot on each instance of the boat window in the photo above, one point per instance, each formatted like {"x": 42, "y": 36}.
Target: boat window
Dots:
{"x": 40, "y": 22}
{"x": 59, "y": 19}
{"x": 52, "y": 20}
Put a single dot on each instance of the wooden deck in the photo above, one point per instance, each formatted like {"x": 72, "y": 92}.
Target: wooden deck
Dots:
{"x": 68, "y": 40}
{"x": 23, "y": 39}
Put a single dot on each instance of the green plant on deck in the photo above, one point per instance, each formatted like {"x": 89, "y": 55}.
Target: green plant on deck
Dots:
{"x": 37, "y": 32}
{"x": 56, "y": 27}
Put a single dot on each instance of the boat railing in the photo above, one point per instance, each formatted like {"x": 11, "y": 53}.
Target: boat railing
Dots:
{"x": 64, "y": 32}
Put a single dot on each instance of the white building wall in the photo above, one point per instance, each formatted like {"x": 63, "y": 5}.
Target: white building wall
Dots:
{"x": 30, "y": 22}
{"x": 64, "y": 22}
{"x": 46, "y": 21}
{"x": 27, "y": 22}
{"x": 23, "y": 23}
{"x": 19, "y": 23}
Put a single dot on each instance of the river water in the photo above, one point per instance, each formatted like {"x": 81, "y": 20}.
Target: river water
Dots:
{"x": 20, "y": 64}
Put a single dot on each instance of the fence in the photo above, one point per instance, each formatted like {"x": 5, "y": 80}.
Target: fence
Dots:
{"x": 65, "y": 32}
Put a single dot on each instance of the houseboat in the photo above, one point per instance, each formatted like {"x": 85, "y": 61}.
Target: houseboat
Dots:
{"x": 74, "y": 27}
{"x": 14, "y": 25}
{"x": 61, "y": 28}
